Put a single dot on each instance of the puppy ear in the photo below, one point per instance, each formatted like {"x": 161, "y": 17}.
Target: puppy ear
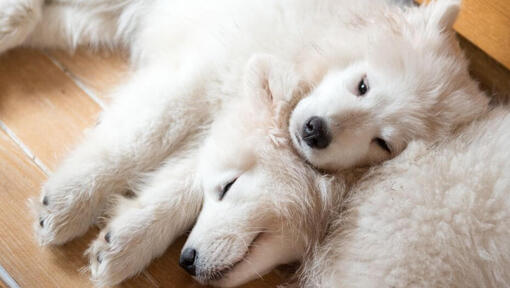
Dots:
{"x": 441, "y": 14}
{"x": 262, "y": 80}
{"x": 272, "y": 89}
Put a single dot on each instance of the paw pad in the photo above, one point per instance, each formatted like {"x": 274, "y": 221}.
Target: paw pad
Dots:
{"x": 41, "y": 222}
{"x": 107, "y": 237}
{"x": 45, "y": 201}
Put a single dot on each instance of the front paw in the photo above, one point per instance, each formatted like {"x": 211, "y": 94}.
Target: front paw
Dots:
{"x": 115, "y": 256}
{"x": 63, "y": 212}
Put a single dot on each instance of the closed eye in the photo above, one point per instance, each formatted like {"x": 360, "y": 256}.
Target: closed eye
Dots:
{"x": 382, "y": 144}
{"x": 226, "y": 188}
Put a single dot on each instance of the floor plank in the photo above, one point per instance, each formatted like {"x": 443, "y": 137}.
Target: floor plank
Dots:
{"x": 486, "y": 24}
{"x": 41, "y": 105}
{"x": 48, "y": 113}
{"x": 22, "y": 258}
{"x": 101, "y": 72}
{"x": 3, "y": 285}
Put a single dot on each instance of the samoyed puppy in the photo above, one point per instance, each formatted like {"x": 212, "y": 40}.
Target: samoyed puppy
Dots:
{"x": 435, "y": 216}
{"x": 368, "y": 112}
{"x": 193, "y": 61}
{"x": 259, "y": 197}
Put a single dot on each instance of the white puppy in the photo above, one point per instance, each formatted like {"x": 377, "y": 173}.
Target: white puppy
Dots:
{"x": 257, "y": 193}
{"x": 410, "y": 69}
{"x": 435, "y": 216}
{"x": 192, "y": 65}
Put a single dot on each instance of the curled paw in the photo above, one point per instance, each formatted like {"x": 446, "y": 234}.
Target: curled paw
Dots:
{"x": 108, "y": 260}
{"x": 115, "y": 256}
{"x": 46, "y": 224}
{"x": 59, "y": 217}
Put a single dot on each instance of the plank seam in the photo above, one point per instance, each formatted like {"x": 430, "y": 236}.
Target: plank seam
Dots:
{"x": 24, "y": 148}
{"x": 7, "y": 279}
{"x": 76, "y": 80}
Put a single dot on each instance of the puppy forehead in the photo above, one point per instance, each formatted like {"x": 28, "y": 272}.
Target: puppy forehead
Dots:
{"x": 336, "y": 78}
{"x": 217, "y": 161}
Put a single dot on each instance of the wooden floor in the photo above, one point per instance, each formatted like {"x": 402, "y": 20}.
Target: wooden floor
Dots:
{"x": 47, "y": 100}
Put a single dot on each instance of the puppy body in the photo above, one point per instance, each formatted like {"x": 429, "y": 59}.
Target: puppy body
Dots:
{"x": 435, "y": 216}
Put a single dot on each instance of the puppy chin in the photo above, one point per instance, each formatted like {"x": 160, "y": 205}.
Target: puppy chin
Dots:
{"x": 330, "y": 160}
{"x": 269, "y": 252}
{"x": 304, "y": 152}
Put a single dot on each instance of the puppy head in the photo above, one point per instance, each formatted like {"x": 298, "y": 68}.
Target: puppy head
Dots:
{"x": 410, "y": 81}
{"x": 253, "y": 183}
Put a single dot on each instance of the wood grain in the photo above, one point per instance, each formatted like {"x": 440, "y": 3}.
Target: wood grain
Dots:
{"x": 41, "y": 105}
{"x": 101, "y": 72}
{"x": 486, "y": 23}
{"x": 23, "y": 259}
{"x": 48, "y": 113}
{"x": 474, "y": 34}
{"x": 3, "y": 285}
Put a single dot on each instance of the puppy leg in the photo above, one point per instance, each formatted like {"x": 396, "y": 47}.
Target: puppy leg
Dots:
{"x": 68, "y": 25}
{"x": 96, "y": 24}
{"x": 144, "y": 227}
{"x": 151, "y": 118}
{"x": 18, "y": 19}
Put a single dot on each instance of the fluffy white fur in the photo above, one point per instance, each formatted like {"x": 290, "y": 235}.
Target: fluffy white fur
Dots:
{"x": 412, "y": 67}
{"x": 209, "y": 101}
{"x": 435, "y": 216}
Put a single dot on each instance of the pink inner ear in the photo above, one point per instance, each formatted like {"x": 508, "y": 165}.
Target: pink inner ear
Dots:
{"x": 272, "y": 88}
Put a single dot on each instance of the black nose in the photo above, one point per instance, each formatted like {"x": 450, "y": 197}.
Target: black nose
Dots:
{"x": 315, "y": 133}
{"x": 187, "y": 260}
